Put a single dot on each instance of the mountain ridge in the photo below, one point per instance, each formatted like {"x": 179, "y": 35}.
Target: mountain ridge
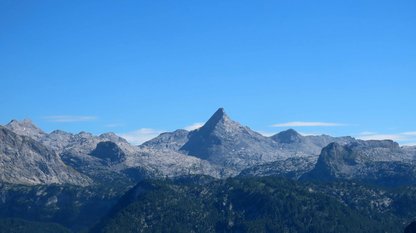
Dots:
{"x": 220, "y": 148}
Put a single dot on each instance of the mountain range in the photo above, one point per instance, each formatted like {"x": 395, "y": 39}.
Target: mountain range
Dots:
{"x": 220, "y": 148}
{"x": 90, "y": 173}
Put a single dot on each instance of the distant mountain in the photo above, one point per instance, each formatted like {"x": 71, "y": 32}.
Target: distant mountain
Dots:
{"x": 225, "y": 142}
{"x": 169, "y": 140}
{"x": 25, "y": 128}
{"x": 26, "y": 161}
{"x": 299, "y": 145}
{"x": 221, "y": 148}
{"x": 110, "y": 158}
{"x": 104, "y": 158}
{"x": 378, "y": 162}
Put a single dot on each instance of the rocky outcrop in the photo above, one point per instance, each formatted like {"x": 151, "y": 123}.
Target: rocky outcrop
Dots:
{"x": 378, "y": 162}
{"x": 108, "y": 151}
{"x": 25, "y": 128}
{"x": 26, "y": 161}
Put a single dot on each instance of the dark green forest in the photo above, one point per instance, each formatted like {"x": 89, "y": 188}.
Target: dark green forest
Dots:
{"x": 252, "y": 205}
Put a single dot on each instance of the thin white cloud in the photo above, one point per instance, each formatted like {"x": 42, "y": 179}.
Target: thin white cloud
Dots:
{"x": 307, "y": 124}
{"x": 368, "y": 133}
{"x": 266, "y": 134}
{"x": 269, "y": 134}
{"x": 404, "y": 138}
{"x": 69, "y": 118}
{"x": 194, "y": 126}
{"x": 139, "y": 136}
{"x": 395, "y": 137}
{"x": 310, "y": 134}
{"x": 113, "y": 125}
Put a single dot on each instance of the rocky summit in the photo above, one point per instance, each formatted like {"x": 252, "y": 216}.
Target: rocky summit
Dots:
{"x": 25, "y": 128}
{"x": 225, "y": 142}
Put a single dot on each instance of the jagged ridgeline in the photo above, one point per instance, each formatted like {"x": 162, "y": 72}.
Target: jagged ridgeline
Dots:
{"x": 205, "y": 180}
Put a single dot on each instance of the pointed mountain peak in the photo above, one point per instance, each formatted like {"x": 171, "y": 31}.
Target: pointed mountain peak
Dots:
{"x": 224, "y": 141}
{"x": 218, "y": 117}
{"x": 220, "y": 111}
{"x": 287, "y": 136}
{"x": 25, "y": 128}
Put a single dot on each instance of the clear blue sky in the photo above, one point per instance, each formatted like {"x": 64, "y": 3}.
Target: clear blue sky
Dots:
{"x": 126, "y": 65}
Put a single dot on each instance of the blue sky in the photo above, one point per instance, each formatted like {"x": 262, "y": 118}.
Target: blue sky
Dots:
{"x": 141, "y": 67}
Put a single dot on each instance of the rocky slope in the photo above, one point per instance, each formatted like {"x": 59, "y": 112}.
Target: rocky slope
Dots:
{"x": 25, "y": 128}
{"x": 378, "y": 162}
{"x": 225, "y": 142}
{"x": 169, "y": 140}
{"x": 294, "y": 143}
{"x": 26, "y": 161}
{"x": 110, "y": 158}
{"x": 290, "y": 168}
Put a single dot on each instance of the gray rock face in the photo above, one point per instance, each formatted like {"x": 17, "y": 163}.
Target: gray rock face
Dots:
{"x": 110, "y": 158}
{"x": 289, "y": 136}
{"x": 26, "y": 161}
{"x": 57, "y": 140}
{"x": 324, "y": 140}
{"x": 225, "y": 142}
{"x": 25, "y": 128}
{"x": 291, "y": 168}
{"x": 295, "y": 144}
{"x": 162, "y": 163}
{"x": 170, "y": 140}
{"x": 108, "y": 151}
{"x": 380, "y": 162}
